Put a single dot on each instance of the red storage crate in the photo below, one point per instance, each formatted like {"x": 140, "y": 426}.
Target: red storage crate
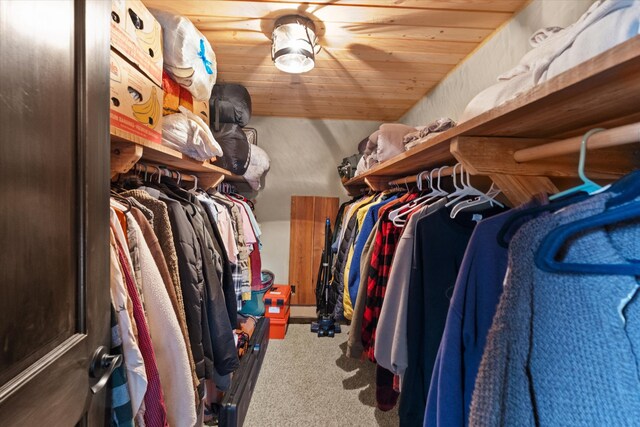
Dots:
{"x": 276, "y": 302}
{"x": 278, "y": 325}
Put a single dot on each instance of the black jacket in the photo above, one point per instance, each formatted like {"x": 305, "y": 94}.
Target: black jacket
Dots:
{"x": 192, "y": 284}
{"x": 225, "y": 355}
{"x": 227, "y": 278}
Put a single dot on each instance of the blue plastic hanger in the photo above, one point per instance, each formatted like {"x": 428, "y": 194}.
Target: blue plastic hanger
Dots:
{"x": 587, "y": 185}
{"x": 545, "y": 257}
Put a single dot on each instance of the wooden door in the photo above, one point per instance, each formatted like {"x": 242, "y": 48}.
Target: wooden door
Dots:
{"x": 54, "y": 192}
{"x": 308, "y": 216}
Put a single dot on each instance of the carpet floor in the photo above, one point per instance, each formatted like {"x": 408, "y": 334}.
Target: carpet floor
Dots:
{"x": 306, "y": 381}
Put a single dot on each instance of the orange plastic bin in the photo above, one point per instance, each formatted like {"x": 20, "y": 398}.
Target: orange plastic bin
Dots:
{"x": 277, "y": 309}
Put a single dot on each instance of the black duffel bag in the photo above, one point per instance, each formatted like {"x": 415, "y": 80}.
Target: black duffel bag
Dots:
{"x": 233, "y": 103}
{"x": 235, "y": 148}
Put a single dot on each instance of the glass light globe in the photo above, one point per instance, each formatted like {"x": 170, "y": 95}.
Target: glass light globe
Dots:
{"x": 293, "y": 44}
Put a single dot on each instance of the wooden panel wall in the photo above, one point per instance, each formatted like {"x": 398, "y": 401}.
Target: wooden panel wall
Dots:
{"x": 308, "y": 215}
{"x": 378, "y": 57}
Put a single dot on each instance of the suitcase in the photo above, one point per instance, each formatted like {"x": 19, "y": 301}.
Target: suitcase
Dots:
{"x": 236, "y": 401}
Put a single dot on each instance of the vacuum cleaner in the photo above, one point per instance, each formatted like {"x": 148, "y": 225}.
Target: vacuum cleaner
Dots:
{"x": 326, "y": 326}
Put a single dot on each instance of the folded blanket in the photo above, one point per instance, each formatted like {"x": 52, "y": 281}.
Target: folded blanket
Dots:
{"x": 605, "y": 24}
{"x": 609, "y": 31}
{"x": 372, "y": 143}
{"x": 390, "y": 140}
{"x": 438, "y": 125}
{"x": 420, "y": 141}
{"x": 537, "y": 60}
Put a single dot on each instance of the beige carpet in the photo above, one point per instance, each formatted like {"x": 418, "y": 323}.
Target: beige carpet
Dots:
{"x": 308, "y": 381}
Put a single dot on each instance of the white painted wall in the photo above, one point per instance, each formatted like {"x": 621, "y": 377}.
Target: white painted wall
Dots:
{"x": 499, "y": 54}
{"x": 304, "y": 155}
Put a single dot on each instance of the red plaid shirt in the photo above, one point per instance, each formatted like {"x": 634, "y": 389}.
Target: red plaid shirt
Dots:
{"x": 384, "y": 247}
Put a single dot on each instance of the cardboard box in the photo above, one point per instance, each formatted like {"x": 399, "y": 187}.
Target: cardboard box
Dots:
{"x": 137, "y": 36}
{"x": 135, "y": 103}
{"x": 201, "y": 108}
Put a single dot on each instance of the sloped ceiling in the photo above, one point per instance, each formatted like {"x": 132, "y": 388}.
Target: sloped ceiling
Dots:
{"x": 378, "y": 58}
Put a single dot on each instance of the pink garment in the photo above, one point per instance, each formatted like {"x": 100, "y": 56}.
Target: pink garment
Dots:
{"x": 256, "y": 268}
{"x": 156, "y": 413}
{"x": 226, "y": 232}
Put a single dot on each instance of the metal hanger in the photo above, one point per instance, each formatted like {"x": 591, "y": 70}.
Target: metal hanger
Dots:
{"x": 195, "y": 184}
{"x": 122, "y": 200}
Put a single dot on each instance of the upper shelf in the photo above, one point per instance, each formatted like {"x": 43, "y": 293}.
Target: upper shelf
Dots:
{"x": 125, "y": 154}
{"x": 601, "y": 92}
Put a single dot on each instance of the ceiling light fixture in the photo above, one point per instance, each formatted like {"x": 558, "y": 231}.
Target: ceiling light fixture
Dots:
{"x": 294, "y": 44}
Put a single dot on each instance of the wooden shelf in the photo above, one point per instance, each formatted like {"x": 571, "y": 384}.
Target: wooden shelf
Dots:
{"x": 601, "y": 92}
{"x": 125, "y": 154}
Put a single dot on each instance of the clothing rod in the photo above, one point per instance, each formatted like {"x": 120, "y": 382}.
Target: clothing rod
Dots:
{"x": 627, "y": 134}
{"x": 411, "y": 179}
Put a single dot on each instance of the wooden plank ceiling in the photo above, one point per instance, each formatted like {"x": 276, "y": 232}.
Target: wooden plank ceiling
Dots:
{"x": 378, "y": 58}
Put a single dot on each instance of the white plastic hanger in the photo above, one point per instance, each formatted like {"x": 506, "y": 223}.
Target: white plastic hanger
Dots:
{"x": 488, "y": 197}
{"x": 466, "y": 190}
{"x": 399, "y": 217}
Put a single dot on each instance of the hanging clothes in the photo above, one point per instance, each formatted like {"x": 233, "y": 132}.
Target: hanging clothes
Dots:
{"x": 153, "y": 244}
{"x": 242, "y": 275}
{"x": 384, "y": 246}
{"x": 433, "y": 276}
{"x": 164, "y": 234}
{"x": 121, "y": 408}
{"x": 337, "y": 276}
{"x": 168, "y": 342}
{"x": 391, "y": 348}
{"x": 355, "y": 348}
{"x": 562, "y": 349}
{"x": 366, "y": 225}
{"x": 155, "y": 413}
{"x": 473, "y": 304}
{"x": 133, "y": 361}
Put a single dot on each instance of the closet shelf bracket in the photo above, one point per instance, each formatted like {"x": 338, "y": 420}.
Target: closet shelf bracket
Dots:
{"x": 378, "y": 183}
{"x": 495, "y": 155}
{"x": 209, "y": 180}
{"x": 520, "y": 189}
{"x": 124, "y": 156}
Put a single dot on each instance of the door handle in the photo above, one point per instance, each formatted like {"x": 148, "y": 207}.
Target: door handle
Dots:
{"x": 102, "y": 365}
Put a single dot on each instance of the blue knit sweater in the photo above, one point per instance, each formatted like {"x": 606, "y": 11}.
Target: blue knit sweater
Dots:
{"x": 562, "y": 349}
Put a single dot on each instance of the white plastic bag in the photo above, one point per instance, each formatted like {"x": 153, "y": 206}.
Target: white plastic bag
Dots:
{"x": 189, "y": 134}
{"x": 258, "y": 166}
{"x": 188, "y": 55}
